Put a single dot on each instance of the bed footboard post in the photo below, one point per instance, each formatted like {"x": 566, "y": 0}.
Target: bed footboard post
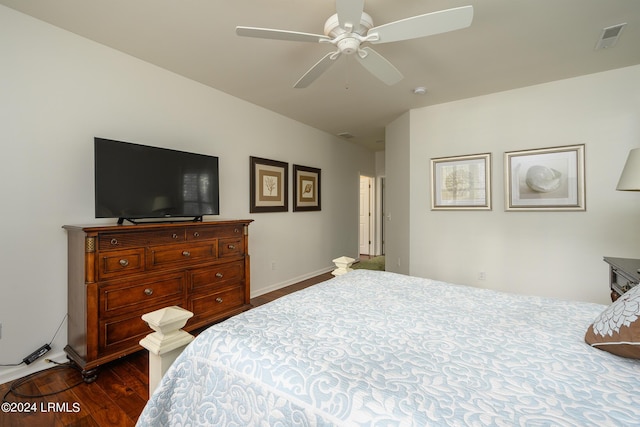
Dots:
{"x": 166, "y": 344}
{"x": 343, "y": 265}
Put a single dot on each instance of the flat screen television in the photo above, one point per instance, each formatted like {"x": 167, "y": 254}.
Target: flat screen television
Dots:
{"x": 134, "y": 182}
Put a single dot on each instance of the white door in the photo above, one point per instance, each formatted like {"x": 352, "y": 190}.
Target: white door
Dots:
{"x": 365, "y": 215}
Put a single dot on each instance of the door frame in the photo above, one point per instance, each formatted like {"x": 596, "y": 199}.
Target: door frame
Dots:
{"x": 373, "y": 235}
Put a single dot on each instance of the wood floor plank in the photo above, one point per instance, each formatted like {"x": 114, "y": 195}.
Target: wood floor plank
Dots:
{"x": 87, "y": 421}
{"x": 103, "y": 409}
{"x": 121, "y": 393}
{"x": 60, "y": 403}
{"x": 133, "y": 379}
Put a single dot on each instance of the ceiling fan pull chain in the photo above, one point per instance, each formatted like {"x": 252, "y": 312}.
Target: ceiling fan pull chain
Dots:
{"x": 347, "y": 73}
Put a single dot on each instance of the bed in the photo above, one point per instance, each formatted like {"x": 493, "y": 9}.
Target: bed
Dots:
{"x": 375, "y": 348}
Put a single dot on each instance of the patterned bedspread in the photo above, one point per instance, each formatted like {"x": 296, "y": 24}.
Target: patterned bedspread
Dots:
{"x": 381, "y": 349}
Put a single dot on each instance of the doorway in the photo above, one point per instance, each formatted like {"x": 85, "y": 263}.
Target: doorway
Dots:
{"x": 367, "y": 217}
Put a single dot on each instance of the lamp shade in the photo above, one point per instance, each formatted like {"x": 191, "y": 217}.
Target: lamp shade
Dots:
{"x": 630, "y": 177}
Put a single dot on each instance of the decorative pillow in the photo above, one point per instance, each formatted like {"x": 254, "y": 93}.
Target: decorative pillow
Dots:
{"x": 617, "y": 329}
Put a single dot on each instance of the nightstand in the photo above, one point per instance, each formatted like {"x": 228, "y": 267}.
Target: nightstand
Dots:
{"x": 623, "y": 275}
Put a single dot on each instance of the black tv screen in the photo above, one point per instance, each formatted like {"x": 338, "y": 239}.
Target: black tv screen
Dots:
{"x": 134, "y": 181}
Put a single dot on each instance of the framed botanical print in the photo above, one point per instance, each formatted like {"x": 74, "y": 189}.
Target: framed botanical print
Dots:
{"x": 461, "y": 182}
{"x": 306, "y": 188}
{"x": 545, "y": 179}
{"x": 269, "y": 185}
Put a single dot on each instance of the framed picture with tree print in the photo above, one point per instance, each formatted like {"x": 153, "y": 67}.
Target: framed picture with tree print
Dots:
{"x": 461, "y": 182}
{"x": 269, "y": 185}
{"x": 306, "y": 188}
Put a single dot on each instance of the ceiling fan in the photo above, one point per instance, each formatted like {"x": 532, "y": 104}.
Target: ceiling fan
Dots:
{"x": 351, "y": 26}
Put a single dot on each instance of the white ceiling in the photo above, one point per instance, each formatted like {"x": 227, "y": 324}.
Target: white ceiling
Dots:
{"x": 510, "y": 44}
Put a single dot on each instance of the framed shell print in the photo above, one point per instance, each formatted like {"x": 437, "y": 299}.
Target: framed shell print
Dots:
{"x": 306, "y": 188}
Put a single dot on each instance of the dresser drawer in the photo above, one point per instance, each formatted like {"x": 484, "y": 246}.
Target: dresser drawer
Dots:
{"x": 207, "y": 279}
{"x": 203, "y": 233}
{"x": 181, "y": 255}
{"x": 216, "y": 306}
{"x": 139, "y": 294}
{"x": 230, "y": 247}
{"x": 120, "y": 263}
{"x": 113, "y": 241}
{"x": 124, "y": 332}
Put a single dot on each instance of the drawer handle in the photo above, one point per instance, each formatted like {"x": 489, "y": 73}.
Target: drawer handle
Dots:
{"x": 124, "y": 262}
{"x": 219, "y": 275}
{"x": 219, "y": 300}
{"x": 186, "y": 253}
{"x": 148, "y": 291}
{"x": 174, "y": 236}
{"x": 114, "y": 241}
{"x": 196, "y": 234}
{"x": 231, "y": 246}
{"x": 236, "y": 230}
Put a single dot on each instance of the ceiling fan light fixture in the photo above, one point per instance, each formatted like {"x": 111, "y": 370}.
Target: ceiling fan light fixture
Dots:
{"x": 348, "y": 45}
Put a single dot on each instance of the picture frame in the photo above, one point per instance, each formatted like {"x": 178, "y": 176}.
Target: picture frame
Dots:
{"x": 545, "y": 179}
{"x": 269, "y": 185}
{"x": 461, "y": 182}
{"x": 306, "y": 189}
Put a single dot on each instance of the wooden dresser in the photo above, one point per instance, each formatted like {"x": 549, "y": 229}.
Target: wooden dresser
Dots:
{"x": 119, "y": 272}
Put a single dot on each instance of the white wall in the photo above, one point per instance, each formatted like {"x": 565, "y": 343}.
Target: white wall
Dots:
{"x": 555, "y": 254}
{"x": 58, "y": 91}
{"x": 398, "y": 185}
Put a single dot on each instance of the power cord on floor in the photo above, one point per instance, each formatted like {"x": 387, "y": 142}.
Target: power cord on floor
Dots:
{"x": 13, "y": 388}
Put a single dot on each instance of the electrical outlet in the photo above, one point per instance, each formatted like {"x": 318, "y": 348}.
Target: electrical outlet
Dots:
{"x": 482, "y": 275}
{"x": 273, "y": 265}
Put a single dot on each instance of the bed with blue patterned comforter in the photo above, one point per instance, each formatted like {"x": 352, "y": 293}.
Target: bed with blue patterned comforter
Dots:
{"x": 381, "y": 349}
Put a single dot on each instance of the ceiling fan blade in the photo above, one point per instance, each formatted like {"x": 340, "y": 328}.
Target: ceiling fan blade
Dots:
{"x": 315, "y": 71}
{"x": 268, "y": 33}
{"x": 349, "y": 13}
{"x": 377, "y": 65}
{"x": 423, "y": 25}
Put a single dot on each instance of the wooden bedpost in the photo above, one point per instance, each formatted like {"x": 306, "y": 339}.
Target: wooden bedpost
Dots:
{"x": 166, "y": 344}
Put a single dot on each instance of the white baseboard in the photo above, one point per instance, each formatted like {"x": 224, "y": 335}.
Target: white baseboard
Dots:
{"x": 10, "y": 374}
{"x": 292, "y": 281}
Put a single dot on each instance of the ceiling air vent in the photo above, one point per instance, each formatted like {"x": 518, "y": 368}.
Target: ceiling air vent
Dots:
{"x": 345, "y": 135}
{"x": 609, "y": 36}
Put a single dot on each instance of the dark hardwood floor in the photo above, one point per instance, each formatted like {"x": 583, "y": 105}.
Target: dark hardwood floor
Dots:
{"x": 116, "y": 398}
